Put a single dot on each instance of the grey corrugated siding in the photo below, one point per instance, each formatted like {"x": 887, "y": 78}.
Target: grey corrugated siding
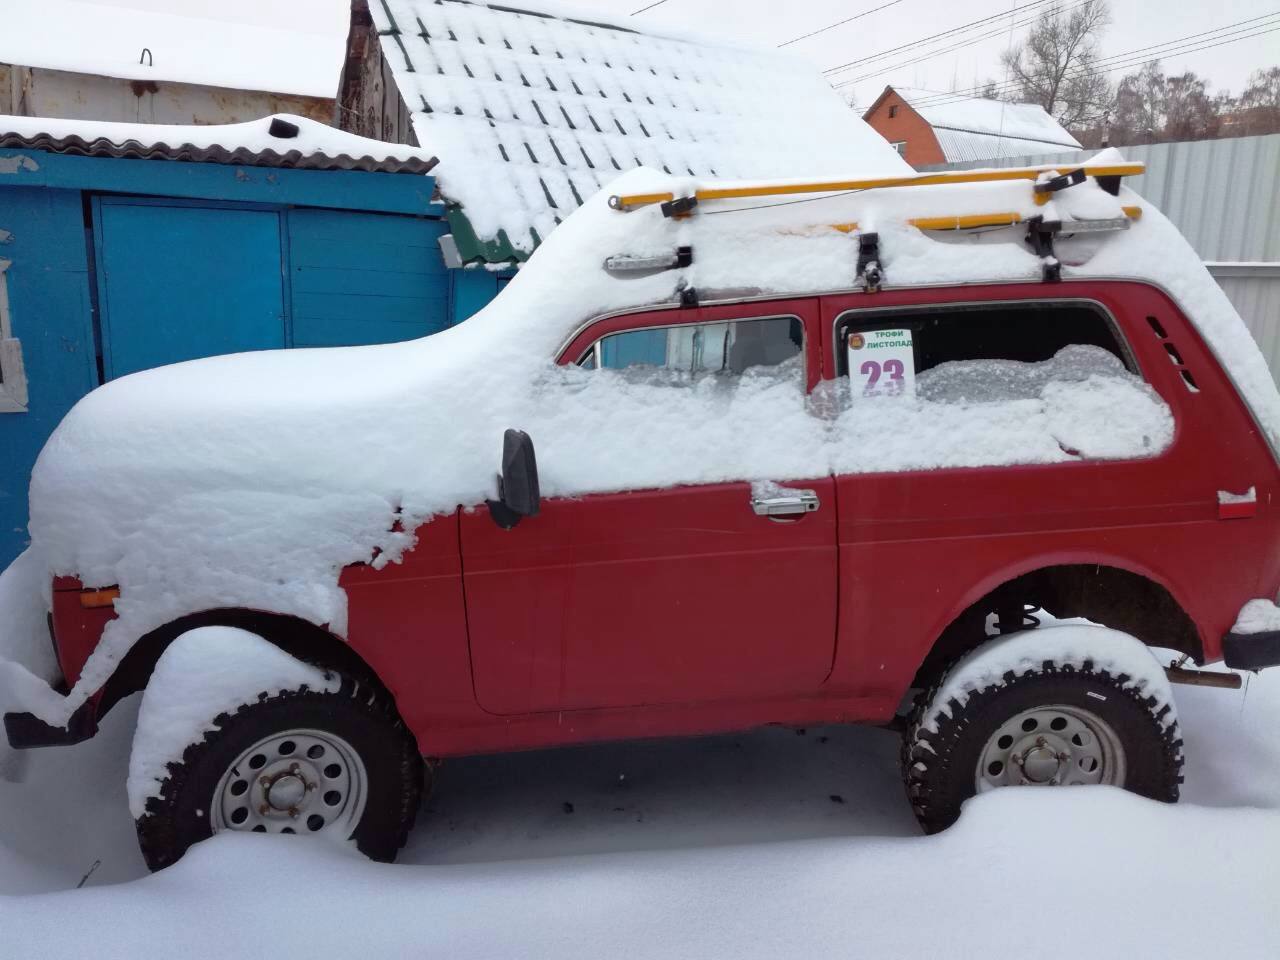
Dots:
{"x": 1224, "y": 195}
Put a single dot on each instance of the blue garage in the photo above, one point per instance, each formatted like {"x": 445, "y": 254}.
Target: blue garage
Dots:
{"x": 117, "y": 255}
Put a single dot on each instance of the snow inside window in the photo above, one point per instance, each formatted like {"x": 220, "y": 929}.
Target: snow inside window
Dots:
{"x": 693, "y": 349}
{"x": 996, "y": 384}
{"x": 13, "y": 381}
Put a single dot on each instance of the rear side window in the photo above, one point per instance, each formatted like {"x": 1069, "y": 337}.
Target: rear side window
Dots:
{"x": 1024, "y": 333}
{"x": 990, "y": 384}
{"x": 729, "y": 348}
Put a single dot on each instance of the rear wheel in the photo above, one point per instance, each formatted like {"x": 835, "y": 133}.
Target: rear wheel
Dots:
{"x": 340, "y": 765}
{"x": 1057, "y": 724}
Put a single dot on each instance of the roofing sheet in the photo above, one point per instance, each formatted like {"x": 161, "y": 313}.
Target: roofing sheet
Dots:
{"x": 279, "y": 141}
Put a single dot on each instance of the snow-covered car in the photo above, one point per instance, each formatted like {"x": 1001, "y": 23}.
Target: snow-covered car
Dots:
{"x": 868, "y": 453}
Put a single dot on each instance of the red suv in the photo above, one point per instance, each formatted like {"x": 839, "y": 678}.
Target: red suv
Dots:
{"x": 1074, "y": 452}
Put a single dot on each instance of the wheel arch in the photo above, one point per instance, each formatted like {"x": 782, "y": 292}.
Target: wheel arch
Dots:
{"x": 1111, "y": 591}
{"x": 295, "y": 636}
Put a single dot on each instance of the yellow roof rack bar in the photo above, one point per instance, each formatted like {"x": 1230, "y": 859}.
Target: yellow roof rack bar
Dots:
{"x": 632, "y": 201}
{"x": 970, "y": 221}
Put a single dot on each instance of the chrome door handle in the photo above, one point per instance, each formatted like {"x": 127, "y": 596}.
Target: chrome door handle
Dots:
{"x": 787, "y": 504}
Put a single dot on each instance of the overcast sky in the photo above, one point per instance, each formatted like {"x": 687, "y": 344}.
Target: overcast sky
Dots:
{"x": 1136, "y": 24}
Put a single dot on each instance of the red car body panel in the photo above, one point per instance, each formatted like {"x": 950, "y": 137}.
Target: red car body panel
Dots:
{"x": 680, "y": 611}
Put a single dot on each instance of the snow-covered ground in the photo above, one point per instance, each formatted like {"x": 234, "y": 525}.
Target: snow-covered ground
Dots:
{"x": 775, "y": 843}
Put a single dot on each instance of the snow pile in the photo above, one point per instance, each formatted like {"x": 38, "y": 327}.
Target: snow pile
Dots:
{"x": 1258, "y": 616}
{"x": 201, "y": 675}
{"x": 253, "y": 135}
{"x": 301, "y": 57}
{"x": 1066, "y": 644}
{"x": 533, "y": 112}
{"x": 690, "y": 854}
{"x": 251, "y": 480}
{"x": 1117, "y": 864}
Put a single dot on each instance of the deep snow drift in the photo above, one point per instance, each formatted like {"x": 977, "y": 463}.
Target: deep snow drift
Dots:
{"x": 760, "y": 844}
{"x": 251, "y": 480}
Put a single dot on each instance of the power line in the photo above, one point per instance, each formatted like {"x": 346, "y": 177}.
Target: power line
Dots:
{"x": 945, "y": 33}
{"x": 1121, "y": 60}
{"x": 832, "y": 26}
{"x": 1177, "y": 42}
{"x": 1212, "y": 42}
{"x": 956, "y": 46}
{"x": 649, "y": 7}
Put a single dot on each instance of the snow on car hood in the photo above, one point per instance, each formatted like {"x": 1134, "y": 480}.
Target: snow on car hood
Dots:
{"x": 251, "y": 480}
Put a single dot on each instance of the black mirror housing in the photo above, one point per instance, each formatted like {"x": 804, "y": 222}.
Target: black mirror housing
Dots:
{"x": 518, "y": 486}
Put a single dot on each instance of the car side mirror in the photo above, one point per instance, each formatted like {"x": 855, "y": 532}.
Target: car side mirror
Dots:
{"x": 518, "y": 486}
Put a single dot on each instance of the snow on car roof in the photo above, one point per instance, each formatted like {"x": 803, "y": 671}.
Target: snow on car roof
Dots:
{"x": 107, "y": 40}
{"x": 282, "y": 140}
{"x": 532, "y": 107}
{"x": 251, "y": 480}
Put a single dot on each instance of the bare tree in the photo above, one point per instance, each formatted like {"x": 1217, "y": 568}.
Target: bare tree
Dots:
{"x": 1057, "y": 65}
{"x": 1258, "y": 109}
{"x": 1151, "y": 107}
{"x": 1189, "y": 112}
{"x": 1137, "y": 114}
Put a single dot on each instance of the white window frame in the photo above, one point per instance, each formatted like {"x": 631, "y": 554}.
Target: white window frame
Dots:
{"x": 13, "y": 378}
{"x": 900, "y": 146}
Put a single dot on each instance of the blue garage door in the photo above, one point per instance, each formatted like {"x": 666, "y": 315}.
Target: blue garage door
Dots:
{"x": 176, "y": 282}
{"x": 365, "y": 278}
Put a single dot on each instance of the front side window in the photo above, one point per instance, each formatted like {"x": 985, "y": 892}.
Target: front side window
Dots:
{"x": 991, "y": 384}
{"x": 680, "y": 405}
{"x": 691, "y": 350}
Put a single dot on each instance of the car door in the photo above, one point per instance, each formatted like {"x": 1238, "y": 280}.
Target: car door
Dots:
{"x": 1048, "y": 429}
{"x": 631, "y": 592}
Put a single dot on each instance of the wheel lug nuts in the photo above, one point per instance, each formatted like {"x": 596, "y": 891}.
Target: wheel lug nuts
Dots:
{"x": 1040, "y": 741}
{"x": 265, "y": 781}
{"x": 1064, "y": 757}
{"x": 262, "y": 809}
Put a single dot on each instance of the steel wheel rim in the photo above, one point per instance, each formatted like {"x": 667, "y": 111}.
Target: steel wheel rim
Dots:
{"x": 1051, "y": 746}
{"x": 301, "y": 781}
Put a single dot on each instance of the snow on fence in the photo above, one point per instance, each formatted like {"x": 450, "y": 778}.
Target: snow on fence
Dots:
{"x": 1221, "y": 195}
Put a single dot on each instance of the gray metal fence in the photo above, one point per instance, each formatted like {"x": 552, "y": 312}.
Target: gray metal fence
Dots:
{"x": 1224, "y": 195}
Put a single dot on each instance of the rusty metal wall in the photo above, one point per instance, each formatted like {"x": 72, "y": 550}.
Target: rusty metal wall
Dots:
{"x": 37, "y": 92}
{"x": 1222, "y": 195}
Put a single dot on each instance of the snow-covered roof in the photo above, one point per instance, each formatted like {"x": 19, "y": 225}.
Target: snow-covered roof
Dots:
{"x": 970, "y": 128}
{"x": 531, "y": 108}
{"x": 278, "y": 141}
{"x": 107, "y": 40}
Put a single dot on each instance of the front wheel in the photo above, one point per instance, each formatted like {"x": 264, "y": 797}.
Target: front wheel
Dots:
{"x": 339, "y": 765}
{"x": 1051, "y": 723}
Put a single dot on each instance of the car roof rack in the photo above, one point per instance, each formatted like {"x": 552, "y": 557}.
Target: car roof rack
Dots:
{"x": 1047, "y": 180}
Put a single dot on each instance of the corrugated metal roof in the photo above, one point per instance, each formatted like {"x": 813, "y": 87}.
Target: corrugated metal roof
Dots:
{"x": 959, "y": 145}
{"x": 259, "y": 143}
